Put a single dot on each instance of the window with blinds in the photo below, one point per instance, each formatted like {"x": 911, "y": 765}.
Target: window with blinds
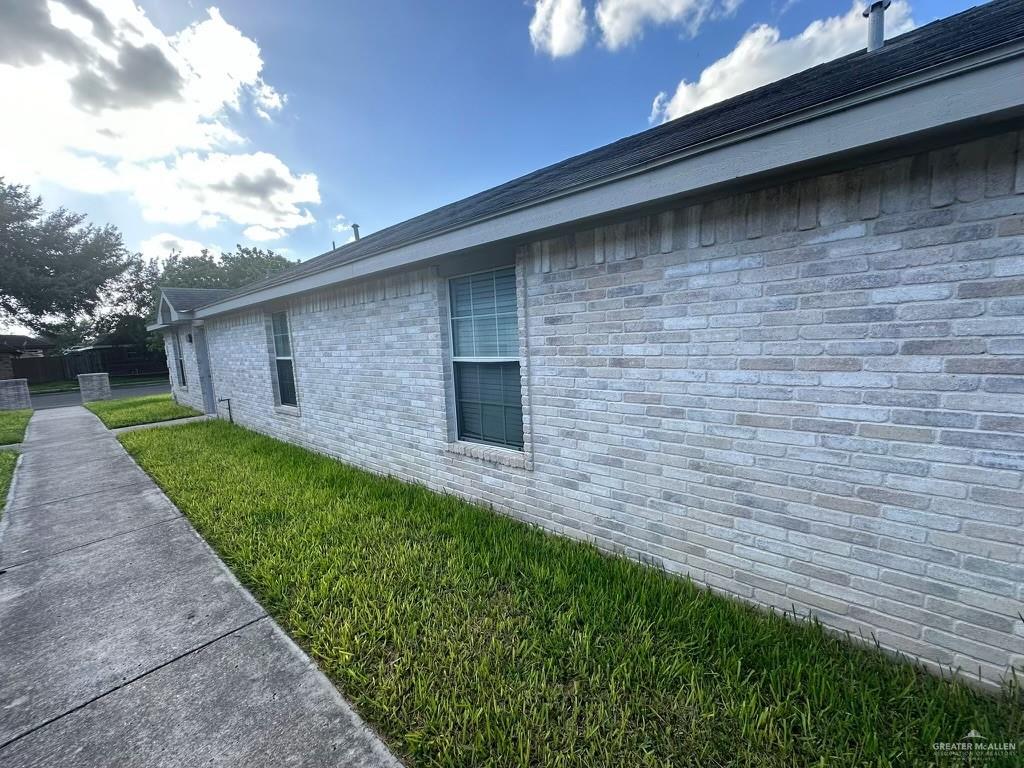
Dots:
{"x": 485, "y": 358}
{"x": 283, "y": 362}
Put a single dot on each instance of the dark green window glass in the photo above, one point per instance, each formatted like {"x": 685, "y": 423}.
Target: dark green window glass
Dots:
{"x": 286, "y": 382}
{"x": 490, "y": 404}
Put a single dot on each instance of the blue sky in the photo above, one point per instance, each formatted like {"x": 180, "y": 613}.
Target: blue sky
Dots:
{"x": 261, "y": 123}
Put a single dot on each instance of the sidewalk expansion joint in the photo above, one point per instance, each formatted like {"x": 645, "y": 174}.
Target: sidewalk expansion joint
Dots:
{"x": 88, "y": 543}
{"x": 61, "y": 499}
{"x": 126, "y": 683}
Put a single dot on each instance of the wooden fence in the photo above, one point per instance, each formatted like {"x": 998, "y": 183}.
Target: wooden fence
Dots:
{"x": 39, "y": 370}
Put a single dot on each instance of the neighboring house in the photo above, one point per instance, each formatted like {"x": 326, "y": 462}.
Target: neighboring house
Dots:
{"x": 27, "y": 346}
{"x": 776, "y": 345}
{"x": 7, "y": 357}
{"x": 21, "y": 348}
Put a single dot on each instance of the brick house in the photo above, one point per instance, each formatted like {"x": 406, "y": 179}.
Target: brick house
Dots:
{"x": 776, "y": 345}
{"x": 7, "y": 356}
{"x": 14, "y": 346}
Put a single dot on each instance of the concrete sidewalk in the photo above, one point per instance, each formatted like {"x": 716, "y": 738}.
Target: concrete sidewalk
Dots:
{"x": 124, "y": 641}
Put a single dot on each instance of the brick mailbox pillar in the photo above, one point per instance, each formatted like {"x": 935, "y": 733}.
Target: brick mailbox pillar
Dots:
{"x": 94, "y": 386}
{"x": 14, "y": 395}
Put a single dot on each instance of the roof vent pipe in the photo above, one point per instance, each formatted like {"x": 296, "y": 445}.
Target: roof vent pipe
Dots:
{"x": 875, "y": 14}
{"x": 355, "y": 231}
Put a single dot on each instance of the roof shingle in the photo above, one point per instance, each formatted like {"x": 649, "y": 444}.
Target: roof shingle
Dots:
{"x": 188, "y": 299}
{"x": 988, "y": 26}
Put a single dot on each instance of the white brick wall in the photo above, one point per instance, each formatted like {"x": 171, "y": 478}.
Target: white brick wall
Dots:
{"x": 805, "y": 396}
{"x": 191, "y": 394}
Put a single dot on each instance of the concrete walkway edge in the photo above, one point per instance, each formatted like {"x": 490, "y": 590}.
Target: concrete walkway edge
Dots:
{"x": 126, "y": 640}
{"x": 229, "y": 574}
{"x": 158, "y": 424}
{"x": 8, "y": 500}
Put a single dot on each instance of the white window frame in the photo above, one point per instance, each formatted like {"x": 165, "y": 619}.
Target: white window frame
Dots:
{"x": 451, "y": 318}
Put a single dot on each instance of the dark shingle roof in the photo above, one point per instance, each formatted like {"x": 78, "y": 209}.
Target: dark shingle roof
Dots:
{"x": 187, "y": 299}
{"x": 18, "y": 342}
{"x": 987, "y": 26}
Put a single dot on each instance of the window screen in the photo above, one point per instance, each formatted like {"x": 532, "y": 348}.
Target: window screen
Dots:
{"x": 485, "y": 358}
{"x": 283, "y": 362}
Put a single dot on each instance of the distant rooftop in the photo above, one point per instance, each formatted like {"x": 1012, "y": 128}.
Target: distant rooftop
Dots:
{"x": 21, "y": 343}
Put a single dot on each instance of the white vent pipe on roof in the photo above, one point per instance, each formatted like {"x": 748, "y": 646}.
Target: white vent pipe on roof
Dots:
{"x": 875, "y": 14}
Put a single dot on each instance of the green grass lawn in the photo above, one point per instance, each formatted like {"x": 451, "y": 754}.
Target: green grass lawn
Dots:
{"x": 115, "y": 381}
{"x": 139, "y": 410}
{"x": 12, "y": 426}
{"x": 7, "y": 461}
{"x": 470, "y": 639}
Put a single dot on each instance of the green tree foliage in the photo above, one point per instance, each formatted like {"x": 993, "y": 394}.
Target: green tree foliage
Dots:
{"x": 131, "y": 300}
{"x": 231, "y": 270}
{"x": 54, "y": 266}
{"x": 128, "y": 304}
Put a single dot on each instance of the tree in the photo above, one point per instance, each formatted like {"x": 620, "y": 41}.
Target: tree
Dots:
{"x": 231, "y": 270}
{"x": 128, "y": 304}
{"x": 54, "y": 267}
{"x": 130, "y": 300}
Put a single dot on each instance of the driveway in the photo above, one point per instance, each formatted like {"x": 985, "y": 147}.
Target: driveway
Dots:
{"x": 63, "y": 399}
{"x": 124, "y": 641}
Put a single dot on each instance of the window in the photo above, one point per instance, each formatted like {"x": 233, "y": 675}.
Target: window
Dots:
{"x": 485, "y": 358}
{"x": 283, "y": 360}
{"x": 180, "y": 358}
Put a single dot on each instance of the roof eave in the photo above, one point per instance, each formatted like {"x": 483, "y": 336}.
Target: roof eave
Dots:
{"x": 177, "y": 317}
{"x": 983, "y": 84}
{"x": 182, "y": 319}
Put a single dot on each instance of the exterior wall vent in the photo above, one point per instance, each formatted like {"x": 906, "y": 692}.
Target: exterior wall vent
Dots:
{"x": 875, "y": 14}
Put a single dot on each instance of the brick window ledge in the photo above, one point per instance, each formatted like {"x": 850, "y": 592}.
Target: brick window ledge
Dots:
{"x": 505, "y": 457}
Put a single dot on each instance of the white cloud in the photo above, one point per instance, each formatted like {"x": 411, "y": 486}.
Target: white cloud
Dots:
{"x": 623, "y": 21}
{"x": 160, "y": 246}
{"x": 261, "y": 234}
{"x": 558, "y": 27}
{"x": 248, "y": 189}
{"x": 227, "y": 65}
{"x": 763, "y": 56}
{"x": 106, "y": 102}
{"x": 341, "y": 225}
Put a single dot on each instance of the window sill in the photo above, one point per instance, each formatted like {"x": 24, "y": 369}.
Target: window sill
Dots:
{"x": 287, "y": 410}
{"x": 505, "y": 457}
